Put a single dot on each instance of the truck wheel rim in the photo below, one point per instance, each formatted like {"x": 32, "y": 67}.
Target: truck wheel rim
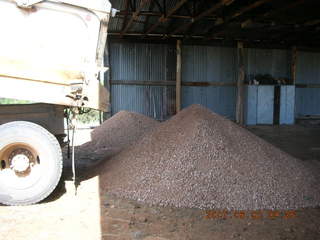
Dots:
{"x": 20, "y": 166}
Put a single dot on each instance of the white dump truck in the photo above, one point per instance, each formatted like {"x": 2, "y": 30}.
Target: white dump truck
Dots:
{"x": 51, "y": 53}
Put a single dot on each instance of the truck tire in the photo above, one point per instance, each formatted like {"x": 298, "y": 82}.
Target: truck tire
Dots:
{"x": 30, "y": 163}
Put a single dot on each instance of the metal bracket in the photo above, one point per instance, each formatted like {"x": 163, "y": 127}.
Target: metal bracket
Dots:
{"x": 114, "y": 12}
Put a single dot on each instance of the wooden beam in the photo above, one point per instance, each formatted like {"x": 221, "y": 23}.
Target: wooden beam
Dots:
{"x": 134, "y": 16}
{"x": 202, "y": 15}
{"x": 171, "y": 83}
{"x": 163, "y": 18}
{"x": 247, "y": 9}
{"x": 156, "y": 35}
{"x": 108, "y": 79}
{"x": 143, "y": 83}
{"x": 294, "y": 64}
{"x": 308, "y": 85}
{"x": 178, "y": 77}
{"x": 279, "y": 10}
{"x": 158, "y": 5}
{"x": 207, "y": 84}
{"x": 146, "y": 25}
{"x": 125, "y": 20}
{"x": 297, "y": 33}
{"x": 224, "y": 24}
{"x": 159, "y": 14}
{"x": 272, "y": 13}
{"x": 312, "y": 23}
{"x": 240, "y": 85}
{"x": 135, "y": 21}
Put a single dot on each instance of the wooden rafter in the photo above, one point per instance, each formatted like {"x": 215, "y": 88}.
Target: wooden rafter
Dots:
{"x": 158, "y": 5}
{"x": 134, "y": 16}
{"x": 159, "y": 14}
{"x": 134, "y": 21}
{"x": 246, "y": 9}
{"x": 214, "y": 8}
{"x": 299, "y": 32}
{"x": 127, "y": 4}
{"x": 280, "y": 22}
{"x": 228, "y": 19}
{"x": 187, "y": 8}
{"x": 152, "y": 5}
{"x": 196, "y": 8}
{"x": 248, "y": 22}
{"x": 163, "y": 18}
{"x": 275, "y": 11}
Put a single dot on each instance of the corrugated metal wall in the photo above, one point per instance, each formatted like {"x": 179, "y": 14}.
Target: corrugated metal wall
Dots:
{"x": 143, "y": 62}
{"x": 267, "y": 61}
{"x": 308, "y": 72}
{"x": 210, "y": 64}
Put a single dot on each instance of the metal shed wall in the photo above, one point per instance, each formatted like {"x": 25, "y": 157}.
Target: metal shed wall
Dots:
{"x": 136, "y": 62}
{"x": 259, "y": 105}
{"x": 308, "y": 72}
{"x": 210, "y": 64}
{"x": 136, "y": 68}
{"x": 275, "y": 62}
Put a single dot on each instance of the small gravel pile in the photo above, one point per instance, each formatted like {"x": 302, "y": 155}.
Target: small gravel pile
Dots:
{"x": 121, "y": 130}
{"x": 199, "y": 159}
{"x": 114, "y": 135}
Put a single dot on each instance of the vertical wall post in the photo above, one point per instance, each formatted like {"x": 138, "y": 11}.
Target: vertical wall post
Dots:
{"x": 294, "y": 64}
{"x": 240, "y": 85}
{"x": 178, "y": 77}
{"x": 107, "y": 79}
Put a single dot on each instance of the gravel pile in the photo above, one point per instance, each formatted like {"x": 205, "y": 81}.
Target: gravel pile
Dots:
{"x": 121, "y": 130}
{"x": 115, "y": 134}
{"x": 199, "y": 159}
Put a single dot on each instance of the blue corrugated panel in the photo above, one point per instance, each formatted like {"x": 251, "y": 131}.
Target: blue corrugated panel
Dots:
{"x": 143, "y": 62}
{"x": 251, "y": 105}
{"x": 308, "y": 72}
{"x": 210, "y": 64}
{"x": 267, "y": 61}
{"x": 260, "y": 104}
{"x": 151, "y": 101}
{"x": 221, "y": 100}
{"x": 287, "y": 103}
{"x": 307, "y": 101}
{"x": 308, "y": 68}
{"x": 265, "y": 104}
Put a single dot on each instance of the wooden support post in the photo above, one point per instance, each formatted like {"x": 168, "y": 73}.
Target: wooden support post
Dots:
{"x": 107, "y": 81}
{"x": 240, "y": 85}
{"x": 294, "y": 65}
{"x": 178, "y": 77}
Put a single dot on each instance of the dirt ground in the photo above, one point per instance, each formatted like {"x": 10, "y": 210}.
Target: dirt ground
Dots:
{"x": 92, "y": 215}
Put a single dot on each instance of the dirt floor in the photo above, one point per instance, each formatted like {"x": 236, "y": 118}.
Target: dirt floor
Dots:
{"x": 91, "y": 215}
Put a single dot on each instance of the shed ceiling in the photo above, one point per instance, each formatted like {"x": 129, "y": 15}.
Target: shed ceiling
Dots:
{"x": 289, "y": 22}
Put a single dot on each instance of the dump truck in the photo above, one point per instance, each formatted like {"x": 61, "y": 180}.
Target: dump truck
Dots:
{"x": 51, "y": 53}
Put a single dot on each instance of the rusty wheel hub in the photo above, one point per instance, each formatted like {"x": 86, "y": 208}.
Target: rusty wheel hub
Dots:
{"x": 21, "y": 160}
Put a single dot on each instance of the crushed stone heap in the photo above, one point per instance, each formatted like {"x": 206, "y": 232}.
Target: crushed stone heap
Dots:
{"x": 198, "y": 159}
{"x": 119, "y": 131}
